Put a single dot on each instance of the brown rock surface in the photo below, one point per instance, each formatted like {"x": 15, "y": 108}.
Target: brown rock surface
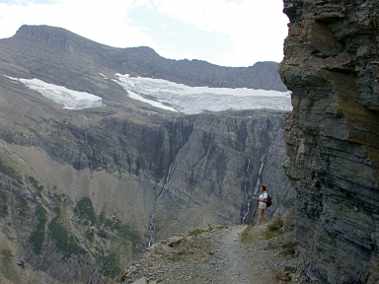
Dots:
{"x": 331, "y": 65}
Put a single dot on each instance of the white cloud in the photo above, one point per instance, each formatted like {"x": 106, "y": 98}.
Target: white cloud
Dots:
{"x": 256, "y": 28}
{"x": 103, "y": 21}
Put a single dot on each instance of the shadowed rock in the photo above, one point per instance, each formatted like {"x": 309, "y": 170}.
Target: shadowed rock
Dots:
{"x": 331, "y": 65}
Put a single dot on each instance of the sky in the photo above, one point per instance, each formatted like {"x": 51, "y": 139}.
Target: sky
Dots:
{"x": 224, "y": 32}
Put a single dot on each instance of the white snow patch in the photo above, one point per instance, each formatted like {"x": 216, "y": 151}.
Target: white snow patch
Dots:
{"x": 104, "y": 76}
{"x": 69, "y": 99}
{"x": 191, "y": 100}
{"x": 11, "y": 78}
{"x": 156, "y": 104}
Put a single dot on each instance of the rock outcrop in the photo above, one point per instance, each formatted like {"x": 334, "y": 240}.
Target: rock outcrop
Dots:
{"x": 332, "y": 66}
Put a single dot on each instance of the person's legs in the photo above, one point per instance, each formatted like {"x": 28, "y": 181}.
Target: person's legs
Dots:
{"x": 260, "y": 216}
{"x": 263, "y": 218}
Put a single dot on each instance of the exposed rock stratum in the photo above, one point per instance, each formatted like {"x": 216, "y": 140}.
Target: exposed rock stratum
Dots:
{"x": 332, "y": 66}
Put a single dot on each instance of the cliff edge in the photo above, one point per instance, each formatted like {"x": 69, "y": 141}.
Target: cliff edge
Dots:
{"x": 332, "y": 66}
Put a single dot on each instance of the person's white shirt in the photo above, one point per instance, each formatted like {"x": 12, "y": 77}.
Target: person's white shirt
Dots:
{"x": 262, "y": 200}
{"x": 263, "y": 196}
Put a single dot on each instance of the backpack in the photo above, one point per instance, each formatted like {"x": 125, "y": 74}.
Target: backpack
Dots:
{"x": 269, "y": 201}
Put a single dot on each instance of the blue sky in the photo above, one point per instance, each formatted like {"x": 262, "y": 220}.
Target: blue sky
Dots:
{"x": 225, "y": 32}
{"x": 174, "y": 34}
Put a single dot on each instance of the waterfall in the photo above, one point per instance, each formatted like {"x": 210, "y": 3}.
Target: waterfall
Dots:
{"x": 259, "y": 177}
{"x": 151, "y": 230}
{"x": 252, "y": 198}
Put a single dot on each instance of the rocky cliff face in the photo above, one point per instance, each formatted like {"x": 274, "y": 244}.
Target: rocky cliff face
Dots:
{"x": 82, "y": 205}
{"x": 331, "y": 65}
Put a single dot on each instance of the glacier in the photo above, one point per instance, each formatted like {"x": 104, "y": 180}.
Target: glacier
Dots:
{"x": 166, "y": 95}
{"x": 172, "y": 96}
{"x": 69, "y": 99}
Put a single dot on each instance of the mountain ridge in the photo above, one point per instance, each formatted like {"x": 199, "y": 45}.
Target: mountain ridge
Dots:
{"x": 142, "y": 61}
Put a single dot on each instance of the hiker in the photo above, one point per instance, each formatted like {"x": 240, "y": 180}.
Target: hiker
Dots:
{"x": 263, "y": 200}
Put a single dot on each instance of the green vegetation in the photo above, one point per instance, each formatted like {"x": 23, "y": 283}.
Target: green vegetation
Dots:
{"x": 274, "y": 228}
{"x": 288, "y": 249}
{"x": 249, "y": 235}
{"x": 22, "y": 207}
{"x": 270, "y": 231}
{"x": 122, "y": 233}
{"x": 84, "y": 211}
{"x": 6, "y": 254}
{"x": 38, "y": 235}
{"x": 7, "y": 268}
{"x": 3, "y": 205}
{"x": 90, "y": 235}
{"x": 102, "y": 218}
{"x": 125, "y": 231}
{"x": 109, "y": 265}
{"x": 65, "y": 242}
{"x": 283, "y": 276}
{"x": 198, "y": 231}
{"x": 35, "y": 183}
{"x": 9, "y": 168}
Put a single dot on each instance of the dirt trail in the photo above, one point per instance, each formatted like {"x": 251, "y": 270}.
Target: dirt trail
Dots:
{"x": 216, "y": 257}
{"x": 231, "y": 258}
{"x": 241, "y": 263}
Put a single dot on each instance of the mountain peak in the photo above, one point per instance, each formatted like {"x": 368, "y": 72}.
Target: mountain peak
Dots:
{"x": 54, "y": 37}
{"x": 36, "y": 32}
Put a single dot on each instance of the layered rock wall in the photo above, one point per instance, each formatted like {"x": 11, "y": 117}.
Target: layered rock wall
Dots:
{"x": 79, "y": 202}
{"x": 332, "y": 66}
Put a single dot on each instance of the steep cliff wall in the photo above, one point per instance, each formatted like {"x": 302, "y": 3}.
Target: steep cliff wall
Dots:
{"x": 332, "y": 66}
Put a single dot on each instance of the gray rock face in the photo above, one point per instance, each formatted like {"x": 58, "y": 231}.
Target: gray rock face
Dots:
{"x": 60, "y": 49}
{"x": 189, "y": 172}
{"x": 82, "y": 193}
{"x": 331, "y": 65}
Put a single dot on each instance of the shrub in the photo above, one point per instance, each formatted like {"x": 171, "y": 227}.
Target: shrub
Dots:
{"x": 84, "y": 210}
{"x": 274, "y": 228}
{"x": 109, "y": 265}
{"x": 3, "y": 205}
{"x": 35, "y": 183}
{"x": 9, "y": 168}
{"x": 65, "y": 242}
{"x": 288, "y": 249}
{"x": 198, "y": 231}
{"x": 38, "y": 235}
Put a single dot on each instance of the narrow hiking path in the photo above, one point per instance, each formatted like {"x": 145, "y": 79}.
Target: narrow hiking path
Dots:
{"x": 230, "y": 257}
{"x": 243, "y": 263}
{"x": 216, "y": 256}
